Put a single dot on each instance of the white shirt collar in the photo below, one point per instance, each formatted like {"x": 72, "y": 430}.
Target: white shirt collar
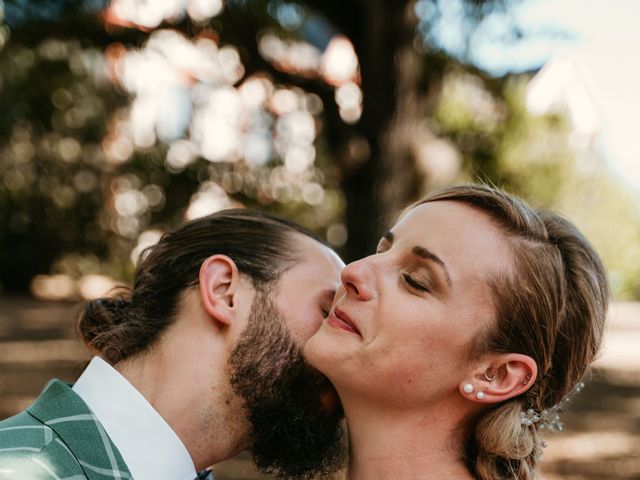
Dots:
{"x": 148, "y": 445}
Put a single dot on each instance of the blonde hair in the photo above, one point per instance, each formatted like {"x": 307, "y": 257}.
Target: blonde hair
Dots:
{"x": 552, "y": 307}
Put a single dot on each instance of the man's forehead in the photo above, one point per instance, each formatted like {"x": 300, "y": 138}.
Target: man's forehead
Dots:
{"x": 309, "y": 251}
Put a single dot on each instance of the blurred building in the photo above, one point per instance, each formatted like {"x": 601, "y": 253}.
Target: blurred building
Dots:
{"x": 566, "y": 85}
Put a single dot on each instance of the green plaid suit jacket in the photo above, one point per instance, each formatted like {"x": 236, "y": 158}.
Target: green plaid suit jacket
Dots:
{"x": 58, "y": 437}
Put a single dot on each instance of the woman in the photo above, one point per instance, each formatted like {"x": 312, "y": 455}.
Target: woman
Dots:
{"x": 455, "y": 345}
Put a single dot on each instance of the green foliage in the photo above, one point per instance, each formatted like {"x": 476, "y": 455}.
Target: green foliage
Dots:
{"x": 532, "y": 156}
{"x": 68, "y": 168}
{"x": 80, "y": 183}
{"x": 55, "y": 110}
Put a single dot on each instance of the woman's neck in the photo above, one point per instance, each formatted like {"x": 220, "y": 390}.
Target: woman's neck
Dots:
{"x": 403, "y": 443}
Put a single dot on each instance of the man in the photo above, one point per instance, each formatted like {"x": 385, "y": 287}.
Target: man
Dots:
{"x": 201, "y": 360}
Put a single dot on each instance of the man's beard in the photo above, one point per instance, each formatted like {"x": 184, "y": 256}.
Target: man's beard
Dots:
{"x": 293, "y": 434}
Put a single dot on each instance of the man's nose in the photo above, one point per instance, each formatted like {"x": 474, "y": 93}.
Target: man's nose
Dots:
{"x": 358, "y": 280}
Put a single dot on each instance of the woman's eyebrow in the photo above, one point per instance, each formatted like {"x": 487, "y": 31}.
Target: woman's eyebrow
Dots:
{"x": 425, "y": 254}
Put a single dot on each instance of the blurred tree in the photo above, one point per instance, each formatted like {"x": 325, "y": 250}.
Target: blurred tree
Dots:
{"x": 55, "y": 107}
{"x": 500, "y": 142}
{"x": 123, "y": 118}
{"x": 91, "y": 150}
{"x": 400, "y": 71}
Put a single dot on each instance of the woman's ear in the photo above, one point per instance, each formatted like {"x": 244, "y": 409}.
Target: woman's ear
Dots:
{"x": 500, "y": 377}
{"x": 219, "y": 278}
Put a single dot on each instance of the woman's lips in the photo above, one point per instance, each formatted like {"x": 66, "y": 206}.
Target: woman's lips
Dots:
{"x": 339, "y": 319}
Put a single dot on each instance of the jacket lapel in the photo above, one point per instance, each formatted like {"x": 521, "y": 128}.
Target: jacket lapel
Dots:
{"x": 61, "y": 409}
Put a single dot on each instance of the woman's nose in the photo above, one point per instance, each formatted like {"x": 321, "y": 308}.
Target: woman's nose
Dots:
{"x": 358, "y": 280}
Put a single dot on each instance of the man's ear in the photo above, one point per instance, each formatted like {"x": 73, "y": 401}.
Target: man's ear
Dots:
{"x": 500, "y": 377}
{"x": 219, "y": 278}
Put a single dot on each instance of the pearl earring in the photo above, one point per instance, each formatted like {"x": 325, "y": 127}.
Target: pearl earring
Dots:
{"x": 480, "y": 395}
{"x": 467, "y": 388}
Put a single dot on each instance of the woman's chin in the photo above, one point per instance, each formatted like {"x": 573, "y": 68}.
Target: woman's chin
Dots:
{"x": 312, "y": 350}
{"x": 320, "y": 351}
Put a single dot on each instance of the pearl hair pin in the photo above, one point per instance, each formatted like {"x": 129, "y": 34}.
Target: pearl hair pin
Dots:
{"x": 549, "y": 419}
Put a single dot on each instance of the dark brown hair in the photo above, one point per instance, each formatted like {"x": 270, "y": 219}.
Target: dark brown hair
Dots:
{"x": 261, "y": 245}
{"x": 551, "y": 306}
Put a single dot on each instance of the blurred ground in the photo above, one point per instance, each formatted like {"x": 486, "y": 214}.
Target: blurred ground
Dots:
{"x": 601, "y": 441}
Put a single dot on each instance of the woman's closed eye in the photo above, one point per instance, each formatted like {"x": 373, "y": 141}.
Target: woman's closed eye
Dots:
{"x": 413, "y": 283}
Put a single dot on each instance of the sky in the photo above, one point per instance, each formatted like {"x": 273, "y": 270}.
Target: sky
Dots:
{"x": 603, "y": 36}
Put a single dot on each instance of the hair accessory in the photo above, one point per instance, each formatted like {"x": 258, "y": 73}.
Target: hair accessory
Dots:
{"x": 549, "y": 419}
{"x": 490, "y": 378}
{"x": 467, "y": 388}
{"x": 480, "y": 395}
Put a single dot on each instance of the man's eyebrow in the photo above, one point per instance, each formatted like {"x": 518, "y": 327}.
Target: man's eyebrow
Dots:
{"x": 426, "y": 254}
{"x": 422, "y": 252}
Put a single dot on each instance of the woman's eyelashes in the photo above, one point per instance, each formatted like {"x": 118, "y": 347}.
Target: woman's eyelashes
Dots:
{"x": 413, "y": 283}
{"x": 383, "y": 246}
